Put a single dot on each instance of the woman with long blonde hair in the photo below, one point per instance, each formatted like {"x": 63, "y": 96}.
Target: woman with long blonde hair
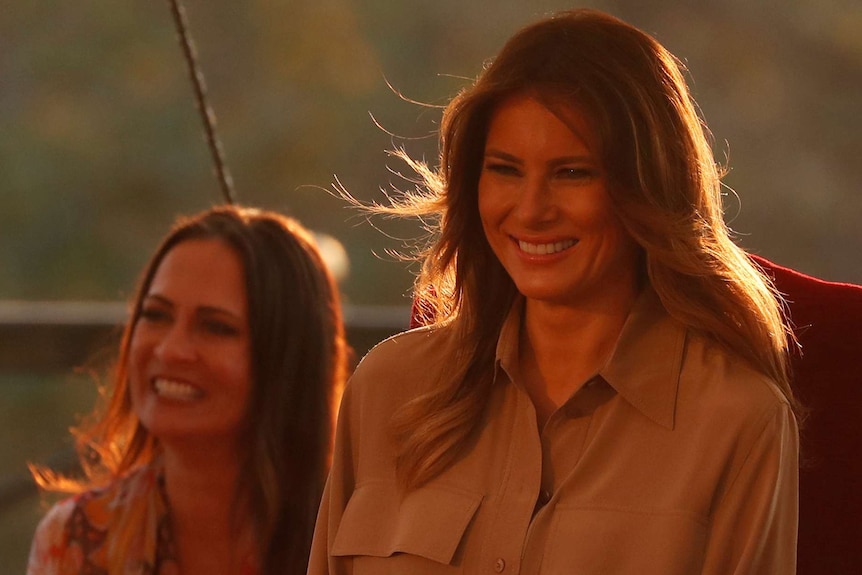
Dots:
{"x": 603, "y": 386}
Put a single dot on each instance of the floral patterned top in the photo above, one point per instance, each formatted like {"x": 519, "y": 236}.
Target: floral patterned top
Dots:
{"x": 123, "y": 528}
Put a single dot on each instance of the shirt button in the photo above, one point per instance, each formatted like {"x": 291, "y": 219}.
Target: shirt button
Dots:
{"x": 544, "y": 497}
{"x": 499, "y": 565}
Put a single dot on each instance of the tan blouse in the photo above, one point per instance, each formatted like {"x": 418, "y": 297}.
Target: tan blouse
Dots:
{"x": 675, "y": 458}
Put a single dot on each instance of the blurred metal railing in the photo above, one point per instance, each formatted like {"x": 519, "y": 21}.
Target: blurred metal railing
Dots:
{"x": 55, "y": 337}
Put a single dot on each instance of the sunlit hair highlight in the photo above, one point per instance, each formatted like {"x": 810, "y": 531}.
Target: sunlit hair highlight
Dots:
{"x": 665, "y": 187}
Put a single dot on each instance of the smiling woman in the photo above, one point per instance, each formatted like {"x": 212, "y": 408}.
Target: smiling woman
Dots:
{"x": 211, "y": 453}
{"x": 189, "y": 360}
{"x": 548, "y": 217}
{"x": 602, "y": 386}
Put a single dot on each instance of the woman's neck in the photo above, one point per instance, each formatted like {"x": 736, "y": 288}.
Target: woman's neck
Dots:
{"x": 562, "y": 346}
{"x": 200, "y": 477}
{"x": 210, "y": 525}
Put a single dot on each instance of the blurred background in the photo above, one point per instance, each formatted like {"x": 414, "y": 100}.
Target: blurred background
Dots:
{"x": 101, "y": 147}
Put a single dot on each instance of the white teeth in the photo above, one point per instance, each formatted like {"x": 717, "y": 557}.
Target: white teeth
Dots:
{"x": 176, "y": 390}
{"x": 545, "y": 249}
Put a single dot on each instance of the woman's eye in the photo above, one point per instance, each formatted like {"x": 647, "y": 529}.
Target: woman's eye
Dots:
{"x": 576, "y": 173}
{"x": 154, "y": 315}
{"x": 216, "y": 327}
{"x": 502, "y": 169}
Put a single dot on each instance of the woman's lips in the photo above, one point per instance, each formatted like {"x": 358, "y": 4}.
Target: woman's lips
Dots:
{"x": 176, "y": 390}
{"x": 547, "y": 248}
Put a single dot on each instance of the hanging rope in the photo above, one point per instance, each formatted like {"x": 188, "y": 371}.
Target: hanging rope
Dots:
{"x": 207, "y": 115}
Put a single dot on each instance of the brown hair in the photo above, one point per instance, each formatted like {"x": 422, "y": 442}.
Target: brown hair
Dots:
{"x": 665, "y": 188}
{"x": 299, "y": 363}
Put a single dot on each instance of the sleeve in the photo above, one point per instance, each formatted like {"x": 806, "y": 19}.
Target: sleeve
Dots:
{"x": 339, "y": 487}
{"x": 754, "y": 525}
{"x": 48, "y": 548}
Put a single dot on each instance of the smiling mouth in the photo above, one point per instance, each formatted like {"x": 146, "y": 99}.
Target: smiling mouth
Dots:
{"x": 545, "y": 249}
{"x": 176, "y": 390}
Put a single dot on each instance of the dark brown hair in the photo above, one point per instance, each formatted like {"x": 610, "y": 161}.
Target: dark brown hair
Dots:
{"x": 298, "y": 358}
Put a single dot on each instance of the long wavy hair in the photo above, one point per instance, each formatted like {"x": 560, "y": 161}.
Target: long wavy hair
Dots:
{"x": 299, "y": 364}
{"x": 665, "y": 188}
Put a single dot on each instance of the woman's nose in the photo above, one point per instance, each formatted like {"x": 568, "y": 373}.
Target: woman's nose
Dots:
{"x": 536, "y": 204}
{"x": 177, "y": 345}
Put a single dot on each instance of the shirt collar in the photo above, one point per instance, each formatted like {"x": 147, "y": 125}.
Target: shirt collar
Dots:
{"x": 646, "y": 362}
{"x": 508, "y": 342}
{"x": 645, "y": 365}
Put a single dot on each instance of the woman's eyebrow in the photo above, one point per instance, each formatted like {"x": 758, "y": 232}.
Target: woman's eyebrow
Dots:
{"x": 572, "y": 160}
{"x": 501, "y": 155}
{"x": 216, "y": 310}
{"x": 158, "y": 298}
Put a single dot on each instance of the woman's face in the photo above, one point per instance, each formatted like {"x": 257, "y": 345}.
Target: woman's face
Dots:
{"x": 189, "y": 361}
{"x": 545, "y": 208}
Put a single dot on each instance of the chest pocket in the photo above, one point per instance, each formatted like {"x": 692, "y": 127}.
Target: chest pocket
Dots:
{"x": 420, "y": 533}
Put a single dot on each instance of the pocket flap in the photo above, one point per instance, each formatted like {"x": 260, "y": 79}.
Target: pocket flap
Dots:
{"x": 429, "y": 521}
